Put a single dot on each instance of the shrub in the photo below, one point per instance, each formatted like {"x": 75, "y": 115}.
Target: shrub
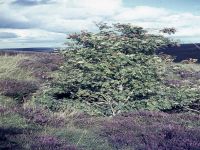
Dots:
{"x": 111, "y": 69}
{"x": 117, "y": 70}
{"x": 17, "y": 89}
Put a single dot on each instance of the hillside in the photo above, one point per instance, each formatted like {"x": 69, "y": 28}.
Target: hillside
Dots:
{"x": 99, "y": 75}
{"x": 24, "y": 126}
{"x": 183, "y": 52}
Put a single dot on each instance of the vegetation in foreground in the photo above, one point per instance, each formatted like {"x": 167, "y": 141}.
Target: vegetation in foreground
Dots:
{"x": 161, "y": 110}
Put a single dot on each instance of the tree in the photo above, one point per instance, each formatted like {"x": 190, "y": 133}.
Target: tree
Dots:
{"x": 111, "y": 70}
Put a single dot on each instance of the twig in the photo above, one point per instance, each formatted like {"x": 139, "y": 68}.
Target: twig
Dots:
{"x": 197, "y": 46}
{"x": 193, "y": 110}
{"x": 110, "y": 105}
{"x": 84, "y": 132}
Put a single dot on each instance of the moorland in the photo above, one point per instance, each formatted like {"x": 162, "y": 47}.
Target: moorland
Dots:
{"x": 76, "y": 99}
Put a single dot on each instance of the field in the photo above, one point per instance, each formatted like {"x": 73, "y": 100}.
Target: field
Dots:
{"x": 24, "y": 125}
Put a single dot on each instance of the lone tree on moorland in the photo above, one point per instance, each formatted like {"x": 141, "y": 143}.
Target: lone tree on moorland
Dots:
{"x": 113, "y": 70}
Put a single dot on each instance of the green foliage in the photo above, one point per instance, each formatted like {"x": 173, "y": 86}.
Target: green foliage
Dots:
{"x": 116, "y": 70}
{"x": 113, "y": 70}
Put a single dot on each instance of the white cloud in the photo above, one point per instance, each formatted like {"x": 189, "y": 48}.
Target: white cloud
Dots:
{"x": 52, "y": 20}
{"x": 70, "y": 16}
{"x": 187, "y": 24}
{"x": 100, "y": 6}
{"x": 75, "y": 8}
{"x": 141, "y": 13}
{"x": 32, "y": 37}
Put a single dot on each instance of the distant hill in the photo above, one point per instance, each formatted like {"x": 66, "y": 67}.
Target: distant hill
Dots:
{"x": 36, "y": 49}
{"x": 183, "y": 52}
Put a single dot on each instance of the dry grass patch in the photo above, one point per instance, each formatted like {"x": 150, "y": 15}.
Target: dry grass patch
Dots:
{"x": 9, "y": 68}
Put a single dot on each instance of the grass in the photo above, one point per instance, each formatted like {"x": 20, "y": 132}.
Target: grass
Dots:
{"x": 7, "y": 102}
{"x": 190, "y": 67}
{"x": 84, "y": 138}
{"x": 12, "y": 120}
{"x": 9, "y": 68}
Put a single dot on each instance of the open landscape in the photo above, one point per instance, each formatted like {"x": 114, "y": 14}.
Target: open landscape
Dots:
{"x": 99, "y": 75}
{"x": 35, "y": 112}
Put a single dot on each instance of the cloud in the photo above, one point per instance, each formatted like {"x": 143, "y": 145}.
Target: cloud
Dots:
{"x": 7, "y": 35}
{"x": 48, "y": 21}
{"x": 6, "y": 22}
{"x": 75, "y": 9}
{"x": 11, "y": 18}
{"x": 33, "y": 35}
{"x": 187, "y": 24}
{"x": 66, "y": 16}
{"x": 141, "y": 13}
{"x": 32, "y": 38}
{"x": 97, "y": 7}
{"x": 30, "y": 2}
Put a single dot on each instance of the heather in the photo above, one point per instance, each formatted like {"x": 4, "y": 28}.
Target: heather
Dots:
{"x": 17, "y": 89}
{"x": 147, "y": 130}
{"x": 157, "y": 132}
{"x": 134, "y": 130}
{"x": 41, "y": 64}
{"x": 108, "y": 91}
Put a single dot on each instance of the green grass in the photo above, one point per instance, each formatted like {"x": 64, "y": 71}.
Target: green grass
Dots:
{"x": 189, "y": 67}
{"x": 12, "y": 120}
{"x": 85, "y": 138}
{"x": 7, "y": 102}
{"x": 9, "y": 68}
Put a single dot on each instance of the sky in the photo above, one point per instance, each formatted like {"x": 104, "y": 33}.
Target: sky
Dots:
{"x": 46, "y": 23}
